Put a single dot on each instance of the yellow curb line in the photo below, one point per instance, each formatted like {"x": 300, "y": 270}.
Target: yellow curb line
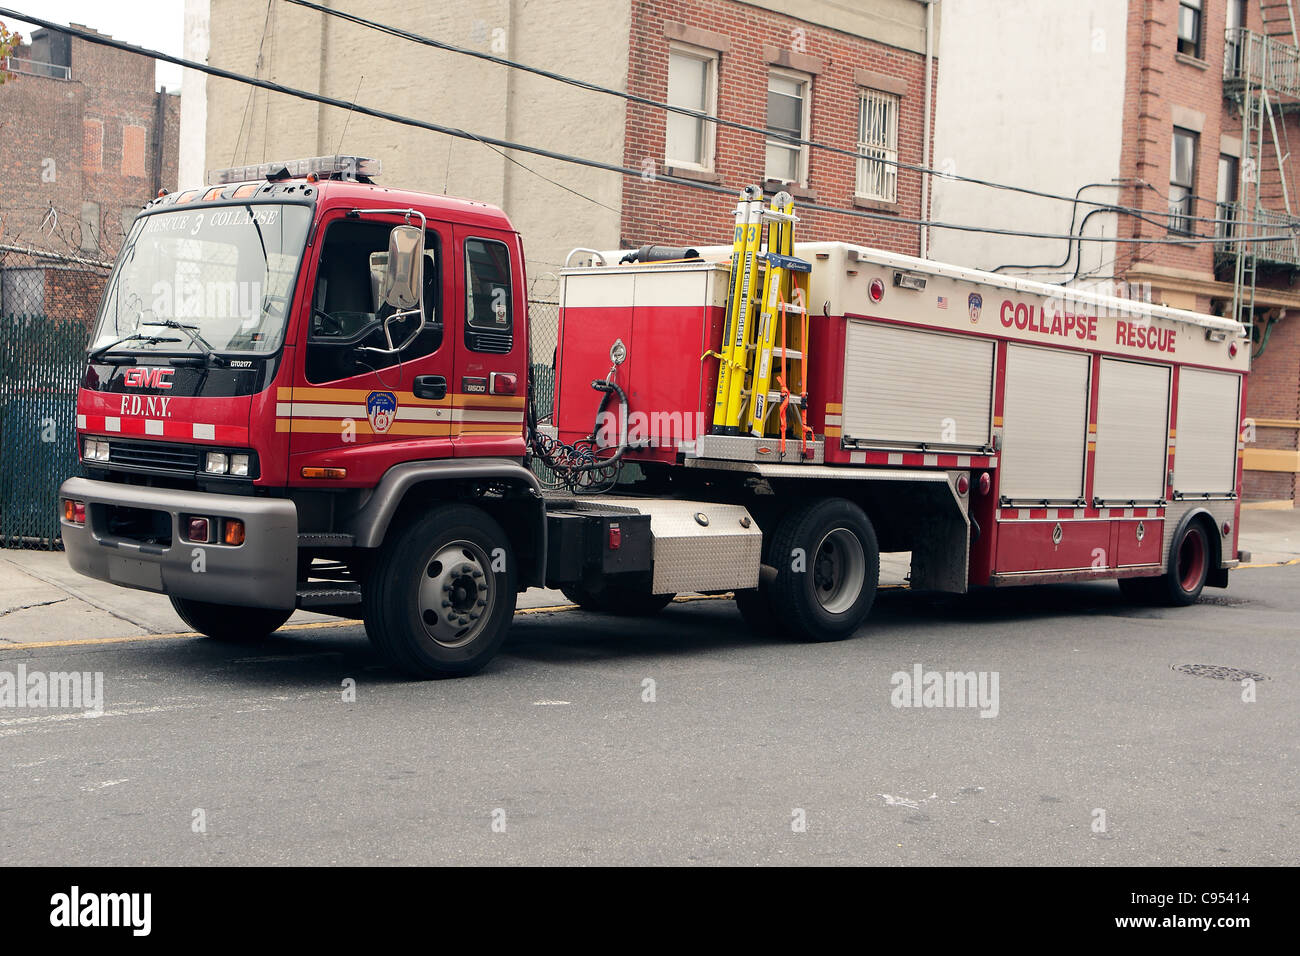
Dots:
{"x": 1278, "y": 564}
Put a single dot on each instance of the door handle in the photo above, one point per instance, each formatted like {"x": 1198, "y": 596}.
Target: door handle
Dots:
{"x": 432, "y": 387}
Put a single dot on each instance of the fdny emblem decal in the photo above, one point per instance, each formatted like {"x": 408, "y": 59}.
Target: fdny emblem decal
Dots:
{"x": 381, "y": 409}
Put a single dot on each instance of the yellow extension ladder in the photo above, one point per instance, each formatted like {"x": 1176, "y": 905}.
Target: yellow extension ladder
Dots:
{"x": 751, "y": 350}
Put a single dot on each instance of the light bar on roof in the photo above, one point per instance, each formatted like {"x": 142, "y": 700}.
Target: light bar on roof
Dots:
{"x": 325, "y": 167}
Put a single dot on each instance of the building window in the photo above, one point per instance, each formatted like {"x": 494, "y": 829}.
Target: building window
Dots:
{"x": 1189, "y": 27}
{"x": 878, "y": 146}
{"x": 133, "y": 151}
{"x": 1226, "y": 198}
{"x": 90, "y": 227}
{"x": 787, "y": 113}
{"x": 1182, "y": 181}
{"x": 692, "y": 85}
{"x": 92, "y": 145}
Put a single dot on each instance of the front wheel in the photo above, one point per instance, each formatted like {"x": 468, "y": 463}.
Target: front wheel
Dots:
{"x": 441, "y": 594}
{"x": 828, "y": 567}
{"x": 240, "y": 625}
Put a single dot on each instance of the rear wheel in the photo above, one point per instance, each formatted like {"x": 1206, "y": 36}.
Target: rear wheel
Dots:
{"x": 1185, "y": 572}
{"x": 441, "y": 594}
{"x": 828, "y": 566}
{"x": 242, "y": 625}
{"x": 617, "y": 599}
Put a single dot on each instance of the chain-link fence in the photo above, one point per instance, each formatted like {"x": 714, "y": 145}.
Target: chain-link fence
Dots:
{"x": 543, "y": 334}
{"x": 41, "y": 364}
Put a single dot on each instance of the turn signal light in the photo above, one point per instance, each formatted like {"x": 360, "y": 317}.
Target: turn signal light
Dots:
{"x": 234, "y": 532}
{"x": 74, "y": 511}
{"x": 311, "y": 472}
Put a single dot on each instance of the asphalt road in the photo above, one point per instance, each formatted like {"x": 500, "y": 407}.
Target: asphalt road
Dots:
{"x": 753, "y": 751}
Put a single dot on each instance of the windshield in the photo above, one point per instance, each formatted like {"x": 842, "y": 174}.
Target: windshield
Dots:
{"x": 225, "y": 272}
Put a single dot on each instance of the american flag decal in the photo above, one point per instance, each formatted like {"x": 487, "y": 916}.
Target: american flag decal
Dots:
{"x": 943, "y": 302}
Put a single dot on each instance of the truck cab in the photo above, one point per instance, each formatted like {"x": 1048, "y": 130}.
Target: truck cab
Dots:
{"x": 259, "y": 403}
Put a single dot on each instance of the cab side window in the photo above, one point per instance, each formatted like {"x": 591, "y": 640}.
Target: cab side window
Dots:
{"x": 346, "y": 298}
{"x": 489, "y": 303}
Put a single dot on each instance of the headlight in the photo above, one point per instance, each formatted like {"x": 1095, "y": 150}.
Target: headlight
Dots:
{"x": 217, "y": 463}
{"x": 95, "y": 449}
{"x": 239, "y": 465}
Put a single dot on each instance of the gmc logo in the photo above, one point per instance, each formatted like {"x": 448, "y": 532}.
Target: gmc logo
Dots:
{"x": 148, "y": 378}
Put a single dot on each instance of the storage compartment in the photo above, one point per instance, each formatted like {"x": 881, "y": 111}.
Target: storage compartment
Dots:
{"x": 579, "y": 542}
{"x": 666, "y": 316}
{"x": 913, "y": 388}
{"x": 1205, "y": 435}
{"x": 1132, "y": 432}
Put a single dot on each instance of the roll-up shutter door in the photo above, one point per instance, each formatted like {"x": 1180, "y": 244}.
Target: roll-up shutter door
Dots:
{"x": 1205, "y": 446}
{"x": 1044, "y": 424}
{"x": 1132, "y": 431}
{"x": 909, "y": 387}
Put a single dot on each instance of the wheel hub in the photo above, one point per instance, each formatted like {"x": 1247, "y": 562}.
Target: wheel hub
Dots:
{"x": 456, "y": 594}
{"x": 839, "y": 571}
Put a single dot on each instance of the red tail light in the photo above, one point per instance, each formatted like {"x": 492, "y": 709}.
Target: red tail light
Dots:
{"x": 199, "y": 530}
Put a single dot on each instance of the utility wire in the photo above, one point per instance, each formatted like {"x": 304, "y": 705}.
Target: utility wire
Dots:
{"x": 1192, "y": 239}
{"x": 423, "y": 40}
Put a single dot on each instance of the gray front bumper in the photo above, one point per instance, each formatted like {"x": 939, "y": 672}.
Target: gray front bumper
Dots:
{"x": 261, "y": 572}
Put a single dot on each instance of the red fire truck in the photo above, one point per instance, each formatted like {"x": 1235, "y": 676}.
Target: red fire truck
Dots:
{"x": 307, "y": 390}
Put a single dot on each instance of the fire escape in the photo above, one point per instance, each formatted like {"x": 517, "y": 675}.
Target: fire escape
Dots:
{"x": 1261, "y": 75}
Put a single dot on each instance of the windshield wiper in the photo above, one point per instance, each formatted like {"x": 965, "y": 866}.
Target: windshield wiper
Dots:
{"x": 103, "y": 350}
{"x": 192, "y": 331}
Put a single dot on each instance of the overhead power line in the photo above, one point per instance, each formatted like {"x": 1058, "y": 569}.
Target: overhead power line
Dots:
{"x": 423, "y": 40}
{"x": 600, "y": 164}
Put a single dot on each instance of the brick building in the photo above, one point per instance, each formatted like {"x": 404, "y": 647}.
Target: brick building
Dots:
{"x": 815, "y": 71}
{"x": 85, "y": 142}
{"x": 1157, "y": 106}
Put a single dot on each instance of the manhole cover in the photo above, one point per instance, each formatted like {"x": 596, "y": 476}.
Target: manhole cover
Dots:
{"x": 1219, "y": 672}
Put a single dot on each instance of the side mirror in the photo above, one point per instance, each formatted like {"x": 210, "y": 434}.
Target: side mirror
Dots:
{"x": 404, "y": 271}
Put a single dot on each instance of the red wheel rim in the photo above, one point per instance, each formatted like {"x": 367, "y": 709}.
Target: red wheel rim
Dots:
{"x": 1191, "y": 560}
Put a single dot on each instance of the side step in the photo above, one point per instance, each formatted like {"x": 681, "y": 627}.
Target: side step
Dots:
{"x": 328, "y": 594}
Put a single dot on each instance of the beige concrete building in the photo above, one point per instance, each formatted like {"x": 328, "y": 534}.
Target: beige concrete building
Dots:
{"x": 555, "y": 205}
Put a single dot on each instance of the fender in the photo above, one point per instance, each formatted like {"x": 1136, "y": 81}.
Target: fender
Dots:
{"x": 1217, "y": 573}
{"x": 369, "y": 525}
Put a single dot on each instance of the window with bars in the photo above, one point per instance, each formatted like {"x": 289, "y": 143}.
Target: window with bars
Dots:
{"x": 787, "y": 114}
{"x": 878, "y": 146}
{"x": 1182, "y": 181}
{"x": 693, "y": 85}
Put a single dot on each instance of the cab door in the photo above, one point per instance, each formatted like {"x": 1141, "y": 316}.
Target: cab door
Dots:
{"x": 353, "y": 407}
{"x": 492, "y": 350}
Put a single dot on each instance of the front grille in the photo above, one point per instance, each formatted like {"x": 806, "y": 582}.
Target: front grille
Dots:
{"x": 157, "y": 455}
{"x": 498, "y": 343}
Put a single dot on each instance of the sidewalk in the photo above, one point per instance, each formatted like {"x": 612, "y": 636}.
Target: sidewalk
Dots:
{"x": 42, "y": 599}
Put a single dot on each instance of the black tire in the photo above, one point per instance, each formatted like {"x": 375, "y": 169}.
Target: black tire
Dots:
{"x": 240, "y": 625}
{"x": 617, "y": 599}
{"x": 433, "y": 604}
{"x": 827, "y": 565}
{"x": 1185, "y": 573}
